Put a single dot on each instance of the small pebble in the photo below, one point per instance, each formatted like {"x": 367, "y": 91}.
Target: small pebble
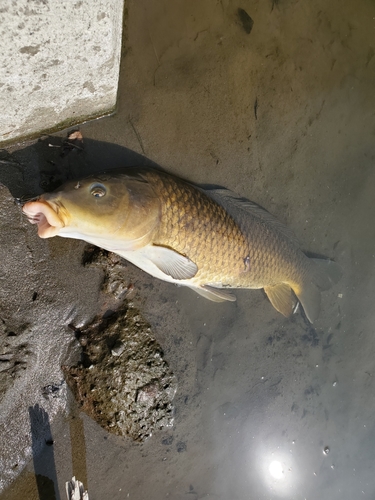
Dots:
{"x": 118, "y": 348}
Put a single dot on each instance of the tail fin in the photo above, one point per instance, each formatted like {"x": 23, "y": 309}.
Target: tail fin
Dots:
{"x": 323, "y": 275}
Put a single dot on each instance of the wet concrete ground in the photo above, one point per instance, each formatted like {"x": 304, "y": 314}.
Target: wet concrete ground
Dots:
{"x": 283, "y": 115}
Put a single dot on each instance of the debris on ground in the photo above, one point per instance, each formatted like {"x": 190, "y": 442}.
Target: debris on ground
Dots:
{"x": 123, "y": 381}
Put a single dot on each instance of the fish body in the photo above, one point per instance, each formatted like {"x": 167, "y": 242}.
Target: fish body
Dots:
{"x": 211, "y": 241}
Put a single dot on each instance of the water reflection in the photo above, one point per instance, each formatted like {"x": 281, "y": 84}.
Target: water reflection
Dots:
{"x": 280, "y": 473}
{"x": 276, "y": 470}
{"x": 78, "y": 443}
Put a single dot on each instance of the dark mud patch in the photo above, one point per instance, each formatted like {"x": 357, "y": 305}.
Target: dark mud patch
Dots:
{"x": 246, "y": 21}
{"x": 14, "y": 357}
{"x": 123, "y": 381}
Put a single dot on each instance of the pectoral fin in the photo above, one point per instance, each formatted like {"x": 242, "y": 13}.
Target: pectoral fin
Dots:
{"x": 281, "y": 298}
{"x": 171, "y": 263}
{"x": 214, "y": 294}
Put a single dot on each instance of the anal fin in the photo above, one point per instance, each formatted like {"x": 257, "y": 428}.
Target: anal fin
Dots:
{"x": 281, "y": 298}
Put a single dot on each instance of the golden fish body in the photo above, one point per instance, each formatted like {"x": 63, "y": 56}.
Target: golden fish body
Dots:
{"x": 209, "y": 240}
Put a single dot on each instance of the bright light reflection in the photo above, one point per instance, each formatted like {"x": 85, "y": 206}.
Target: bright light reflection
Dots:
{"x": 276, "y": 470}
{"x": 279, "y": 471}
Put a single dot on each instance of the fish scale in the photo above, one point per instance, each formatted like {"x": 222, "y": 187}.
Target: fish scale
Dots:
{"x": 201, "y": 229}
{"x": 197, "y": 227}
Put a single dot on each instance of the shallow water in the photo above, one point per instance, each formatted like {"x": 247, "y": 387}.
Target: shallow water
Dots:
{"x": 284, "y": 116}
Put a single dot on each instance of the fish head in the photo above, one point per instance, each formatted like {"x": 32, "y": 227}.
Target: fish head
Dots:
{"x": 103, "y": 209}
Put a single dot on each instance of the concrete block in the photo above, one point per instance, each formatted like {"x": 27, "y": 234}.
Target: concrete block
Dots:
{"x": 59, "y": 63}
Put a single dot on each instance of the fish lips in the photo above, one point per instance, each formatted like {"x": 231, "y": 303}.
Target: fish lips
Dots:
{"x": 42, "y": 213}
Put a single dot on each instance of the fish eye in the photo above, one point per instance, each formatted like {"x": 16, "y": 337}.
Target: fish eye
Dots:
{"x": 98, "y": 190}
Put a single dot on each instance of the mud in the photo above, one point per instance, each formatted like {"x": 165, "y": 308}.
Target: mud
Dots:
{"x": 123, "y": 381}
{"x": 282, "y": 115}
{"x": 35, "y": 301}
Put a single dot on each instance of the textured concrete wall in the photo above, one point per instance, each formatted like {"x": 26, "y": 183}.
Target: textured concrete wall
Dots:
{"x": 59, "y": 63}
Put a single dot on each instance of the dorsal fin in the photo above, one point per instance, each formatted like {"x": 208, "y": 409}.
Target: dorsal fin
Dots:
{"x": 239, "y": 208}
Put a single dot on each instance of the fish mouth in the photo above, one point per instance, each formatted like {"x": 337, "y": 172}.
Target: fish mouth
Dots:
{"x": 45, "y": 215}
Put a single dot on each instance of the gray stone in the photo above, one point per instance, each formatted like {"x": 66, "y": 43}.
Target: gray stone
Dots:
{"x": 59, "y": 63}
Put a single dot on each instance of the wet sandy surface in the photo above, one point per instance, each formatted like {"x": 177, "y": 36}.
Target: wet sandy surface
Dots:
{"x": 284, "y": 116}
